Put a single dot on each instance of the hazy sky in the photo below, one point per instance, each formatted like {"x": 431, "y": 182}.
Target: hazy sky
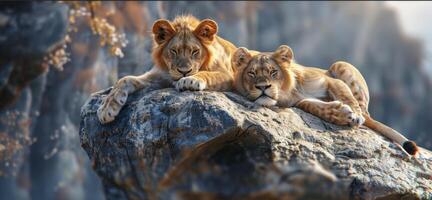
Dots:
{"x": 416, "y": 19}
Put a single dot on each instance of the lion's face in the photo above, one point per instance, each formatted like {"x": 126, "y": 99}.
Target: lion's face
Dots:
{"x": 262, "y": 76}
{"x": 181, "y": 46}
{"x": 262, "y": 79}
{"x": 184, "y": 55}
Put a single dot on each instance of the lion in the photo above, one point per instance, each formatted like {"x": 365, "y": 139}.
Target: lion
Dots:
{"x": 338, "y": 95}
{"x": 187, "y": 53}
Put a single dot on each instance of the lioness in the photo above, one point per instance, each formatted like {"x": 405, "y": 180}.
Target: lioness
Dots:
{"x": 186, "y": 52}
{"x": 338, "y": 95}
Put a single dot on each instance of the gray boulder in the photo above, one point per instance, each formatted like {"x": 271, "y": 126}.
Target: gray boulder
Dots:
{"x": 166, "y": 144}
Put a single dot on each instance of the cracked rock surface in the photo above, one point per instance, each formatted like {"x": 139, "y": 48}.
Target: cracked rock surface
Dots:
{"x": 166, "y": 144}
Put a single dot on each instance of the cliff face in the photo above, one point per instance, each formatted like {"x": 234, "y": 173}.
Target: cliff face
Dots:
{"x": 194, "y": 145}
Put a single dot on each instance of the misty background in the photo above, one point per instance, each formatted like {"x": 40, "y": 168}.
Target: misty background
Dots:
{"x": 40, "y": 152}
{"x": 414, "y": 20}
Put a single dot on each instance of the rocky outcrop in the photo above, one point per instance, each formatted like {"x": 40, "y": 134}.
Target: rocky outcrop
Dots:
{"x": 209, "y": 145}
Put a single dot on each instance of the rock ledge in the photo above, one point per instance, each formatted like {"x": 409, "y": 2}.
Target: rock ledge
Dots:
{"x": 194, "y": 145}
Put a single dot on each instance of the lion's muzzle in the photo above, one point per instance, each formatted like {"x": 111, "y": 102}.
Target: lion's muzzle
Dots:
{"x": 184, "y": 72}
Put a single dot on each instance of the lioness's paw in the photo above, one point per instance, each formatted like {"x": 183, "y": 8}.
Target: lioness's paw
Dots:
{"x": 111, "y": 106}
{"x": 350, "y": 117}
{"x": 190, "y": 83}
{"x": 356, "y": 120}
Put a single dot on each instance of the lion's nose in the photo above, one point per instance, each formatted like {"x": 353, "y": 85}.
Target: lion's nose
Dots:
{"x": 263, "y": 87}
{"x": 184, "y": 72}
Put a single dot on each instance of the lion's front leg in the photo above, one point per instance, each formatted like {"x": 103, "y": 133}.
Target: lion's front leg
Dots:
{"x": 206, "y": 80}
{"x": 117, "y": 97}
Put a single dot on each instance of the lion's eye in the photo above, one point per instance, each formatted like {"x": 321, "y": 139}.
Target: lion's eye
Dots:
{"x": 273, "y": 73}
{"x": 195, "y": 52}
{"x": 173, "y": 51}
{"x": 251, "y": 74}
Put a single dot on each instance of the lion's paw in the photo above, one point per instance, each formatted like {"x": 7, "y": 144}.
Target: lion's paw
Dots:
{"x": 111, "y": 106}
{"x": 190, "y": 83}
{"x": 357, "y": 120}
{"x": 350, "y": 117}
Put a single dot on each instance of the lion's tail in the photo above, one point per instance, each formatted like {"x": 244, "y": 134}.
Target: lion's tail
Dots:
{"x": 408, "y": 145}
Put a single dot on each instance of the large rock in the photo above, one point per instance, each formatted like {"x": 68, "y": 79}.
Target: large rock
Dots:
{"x": 208, "y": 145}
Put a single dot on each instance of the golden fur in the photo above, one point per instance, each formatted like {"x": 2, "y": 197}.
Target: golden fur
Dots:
{"x": 187, "y": 53}
{"x": 174, "y": 47}
{"x": 338, "y": 95}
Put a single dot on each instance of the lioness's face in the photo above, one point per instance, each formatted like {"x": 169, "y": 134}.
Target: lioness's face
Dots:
{"x": 262, "y": 75}
{"x": 184, "y": 55}
{"x": 182, "y": 47}
{"x": 262, "y": 80}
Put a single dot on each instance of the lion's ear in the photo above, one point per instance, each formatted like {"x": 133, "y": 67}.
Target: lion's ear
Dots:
{"x": 241, "y": 57}
{"x": 163, "y": 31}
{"x": 283, "y": 54}
{"x": 206, "y": 30}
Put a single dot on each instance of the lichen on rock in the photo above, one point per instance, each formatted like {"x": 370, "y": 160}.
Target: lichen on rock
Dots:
{"x": 166, "y": 144}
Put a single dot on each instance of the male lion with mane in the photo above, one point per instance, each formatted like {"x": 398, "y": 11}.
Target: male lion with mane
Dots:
{"x": 187, "y": 53}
